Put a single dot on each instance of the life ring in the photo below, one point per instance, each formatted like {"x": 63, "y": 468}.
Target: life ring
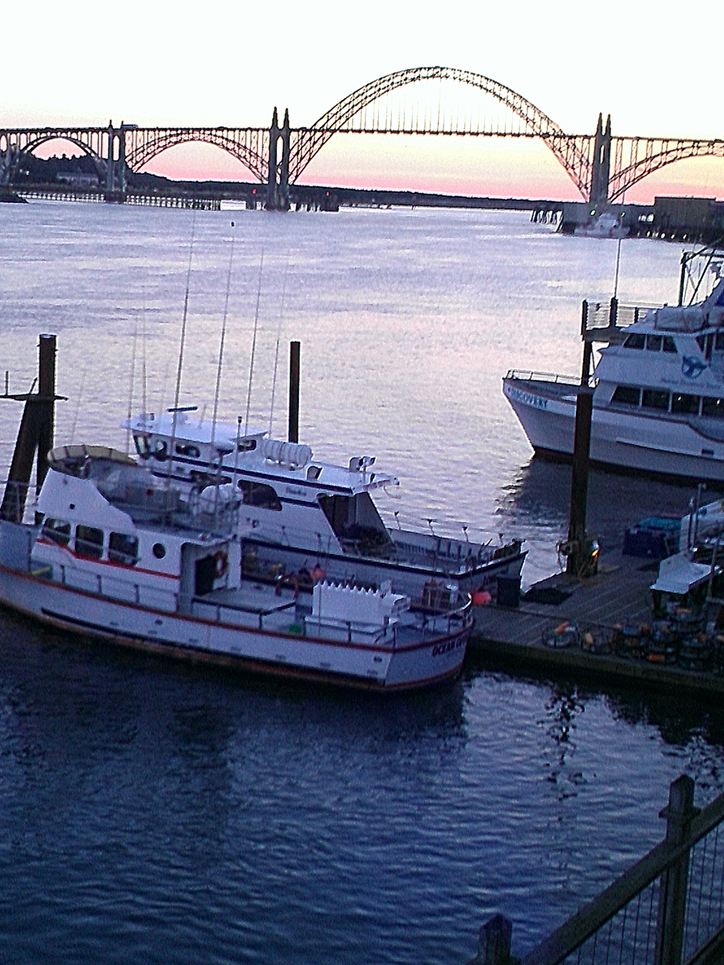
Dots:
{"x": 221, "y": 562}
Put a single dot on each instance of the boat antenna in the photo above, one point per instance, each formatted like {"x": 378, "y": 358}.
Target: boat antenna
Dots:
{"x": 143, "y": 357}
{"x": 221, "y": 342}
{"x": 276, "y": 351}
{"x": 80, "y": 396}
{"x": 253, "y": 344}
{"x": 130, "y": 394}
{"x": 618, "y": 265}
{"x": 182, "y": 345}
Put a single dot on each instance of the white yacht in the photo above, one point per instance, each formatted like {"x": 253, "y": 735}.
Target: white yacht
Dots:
{"x": 658, "y": 399}
{"x": 302, "y": 517}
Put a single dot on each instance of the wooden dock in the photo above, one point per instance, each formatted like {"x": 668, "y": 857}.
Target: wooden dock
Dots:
{"x": 511, "y": 638}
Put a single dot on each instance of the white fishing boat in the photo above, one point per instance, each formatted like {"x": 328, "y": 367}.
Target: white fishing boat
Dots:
{"x": 113, "y": 552}
{"x": 301, "y": 515}
{"x": 605, "y": 225}
{"x": 658, "y": 398}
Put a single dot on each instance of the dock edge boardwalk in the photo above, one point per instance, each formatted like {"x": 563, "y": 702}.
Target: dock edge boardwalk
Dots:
{"x": 511, "y": 638}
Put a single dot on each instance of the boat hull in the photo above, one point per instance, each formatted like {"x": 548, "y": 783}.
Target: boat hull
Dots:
{"x": 654, "y": 445}
{"x": 406, "y": 665}
{"x": 406, "y": 577}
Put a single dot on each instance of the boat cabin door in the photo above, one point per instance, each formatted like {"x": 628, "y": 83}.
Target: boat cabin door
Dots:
{"x": 205, "y": 572}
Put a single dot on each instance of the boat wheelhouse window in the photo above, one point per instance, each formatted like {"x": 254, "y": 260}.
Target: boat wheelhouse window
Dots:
{"x": 626, "y": 395}
{"x": 713, "y": 408}
{"x": 705, "y": 343}
{"x": 688, "y": 404}
{"x": 246, "y": 445}
{"x": 259, "y": 494}
{"x": 719, "y": 342}
{"x": 160, "y": 450}
{"x": 143, "y": 446}
{"x": 57, "y": 531}
{"x": 655, "y": 399}
{"x": 193, "y": 452}
{"x": 669, "y": 344}
{"x": 89, "y": 541}
{"x": 653, "y": 342}
{"x": 123, "y": 549}
{"x": 634, "y": 340}
{"x": 314, "y": 472}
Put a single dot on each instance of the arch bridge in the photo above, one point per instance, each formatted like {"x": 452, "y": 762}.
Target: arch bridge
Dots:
{"x": 602, "y": 166}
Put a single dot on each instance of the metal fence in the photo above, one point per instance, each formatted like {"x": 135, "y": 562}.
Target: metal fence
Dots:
{"x": 668, "y": 909}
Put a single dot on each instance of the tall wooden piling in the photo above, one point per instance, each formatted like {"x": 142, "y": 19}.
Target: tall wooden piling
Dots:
{"x": 294, "y": 376}
{"x": 35, "y": 435}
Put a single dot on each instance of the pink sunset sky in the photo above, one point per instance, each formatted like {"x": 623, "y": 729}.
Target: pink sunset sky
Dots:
{"x": 224, "y": 67}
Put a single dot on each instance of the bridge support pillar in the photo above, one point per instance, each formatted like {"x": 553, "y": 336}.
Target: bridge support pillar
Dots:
{"x": 277, "y": 193}
{"x": 601, "y": 164}
{"x": 8, "y": 162}
{"x": 116, "y": 164}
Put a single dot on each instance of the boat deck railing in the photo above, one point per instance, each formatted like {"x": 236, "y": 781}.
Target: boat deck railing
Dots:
{"x": 530, "y": 375}
{"x": 667, "y": 909}
{"x": 404, "y": 546}
{"x": 174, "y": 509}
{"x": 230, "y": 607}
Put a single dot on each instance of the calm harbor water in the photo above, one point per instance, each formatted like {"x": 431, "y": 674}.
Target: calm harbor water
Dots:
{"x": 156, "y": 813}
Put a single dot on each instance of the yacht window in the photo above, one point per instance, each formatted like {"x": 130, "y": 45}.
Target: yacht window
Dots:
{"x": 246, "y": 445}
{"x": 123, "y": 549}
{"x": 669, "y": 344}
{"x": 626, "y": 395}
{"x": 182, "y": 449}
{"x": 143, "y": 446}
{"x": 313, "y": 472}
{"x": 655, "y": 399}
{"x": 89, "y": 541}
{"x": 688, "y": 404}
{"x": 719, "y": 342}
{"x": 160, "y": 450}
{"x": 258, "y": 494}
{"x": 653, "y": 343}
{"x": 714, "y": 408}
{"x": 634, "y": 340}
{"x": 57, "y": 531}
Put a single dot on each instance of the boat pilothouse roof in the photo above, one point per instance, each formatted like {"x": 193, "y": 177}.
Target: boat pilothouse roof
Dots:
{"x": 192, "y": 445}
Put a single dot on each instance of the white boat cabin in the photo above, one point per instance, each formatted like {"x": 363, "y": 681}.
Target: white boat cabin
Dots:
{"x": 285, "y": 492}
{"x": 108, "y": 525}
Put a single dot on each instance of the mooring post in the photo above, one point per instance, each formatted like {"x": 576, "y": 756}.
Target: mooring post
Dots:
{"x": 494, "y": 942}
{"x": 45, "y": 405}
{"x": 579, "y": 480}
{"x": 34, "y": 435}
{"x": 672, "y": 892}
{"x": 294, "y": 370}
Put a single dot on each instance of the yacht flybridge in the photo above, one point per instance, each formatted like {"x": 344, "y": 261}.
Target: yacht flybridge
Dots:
{"x": 301, "y": 516}
{"x": 658, "y": 400}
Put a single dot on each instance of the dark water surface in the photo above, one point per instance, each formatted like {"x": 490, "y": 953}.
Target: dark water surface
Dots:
{"x": 164, "y": 814}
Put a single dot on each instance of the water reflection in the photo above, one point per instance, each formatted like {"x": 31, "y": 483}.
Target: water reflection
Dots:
{"x": 563, "y": 709}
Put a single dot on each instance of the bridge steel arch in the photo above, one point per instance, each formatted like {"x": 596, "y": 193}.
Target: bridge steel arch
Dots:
{"x": 249, "y": 145}
{"x": 573, "y": 152}
{"x": 15, "y": 144}
{"x": 630, "y": 168}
